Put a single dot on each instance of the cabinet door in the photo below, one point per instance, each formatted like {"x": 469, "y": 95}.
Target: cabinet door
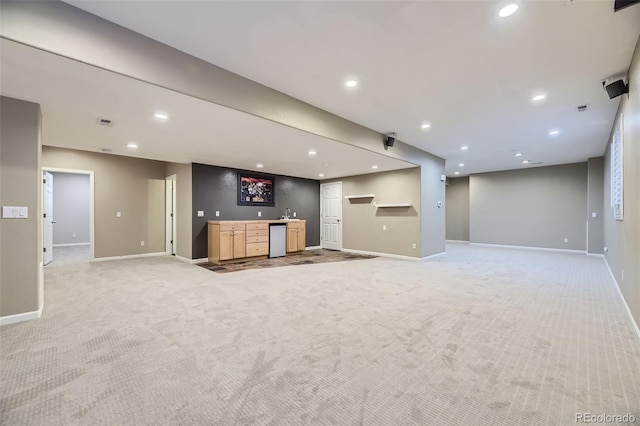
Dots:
{"x": 302, "y": 239}
{"x": 226, "y": 245}
{"x": 238, "y": 244}
{"x": 292, "y": 239}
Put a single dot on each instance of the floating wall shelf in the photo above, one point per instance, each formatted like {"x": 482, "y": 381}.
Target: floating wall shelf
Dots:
{"x": 381, "y": 206}
{"x": 349, "y": 197}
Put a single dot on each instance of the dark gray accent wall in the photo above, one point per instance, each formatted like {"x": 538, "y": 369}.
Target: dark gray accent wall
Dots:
{"x": 215, "y": 189}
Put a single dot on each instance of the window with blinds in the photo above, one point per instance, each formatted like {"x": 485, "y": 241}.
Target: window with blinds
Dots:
{"x": 617, "y": 192}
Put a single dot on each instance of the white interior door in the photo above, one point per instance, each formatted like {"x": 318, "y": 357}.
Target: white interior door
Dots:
{"x": 331, "y": 215}
{"x": 47, "y": 207}
{"x": 170, "y": 221}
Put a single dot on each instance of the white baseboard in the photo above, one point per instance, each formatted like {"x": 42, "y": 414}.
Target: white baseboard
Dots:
{"x": 457, "y": 241}
{"x": 191, "y": 261}
{"x": 313, "y": 248}
{"x": 624, "y": 301}
{"x": 596, "y": 255}
{"x": 129, "y": 256}
{"x": 71, "y": 244}
{"x": 26, "y": 316}
{"x": 394, "y": 256}
{"x": 530, "y": 248}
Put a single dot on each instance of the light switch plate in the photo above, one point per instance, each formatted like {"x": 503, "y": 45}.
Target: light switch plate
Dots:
{"x": 200, "y": 213}
{"x": 118, "y": 214}
{"x": 15, "y": 212}
{"x": 259, "y": 214}
{"x": 217, "y": 213}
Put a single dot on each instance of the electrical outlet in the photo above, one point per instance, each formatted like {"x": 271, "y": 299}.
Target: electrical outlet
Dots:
{"x": 217, "y": 213}
{"x": 384, "y": 227}
{"x": 566, "y": 240}
{"x": 606, "y": 249}
{"x": 118, "y": 214}
{"x": 413, "y": 245}
{"x": 259, "y": 214}
{"x": 73, "y": 235}
{"x": 594, "y": 214}
{"x": 141, "y": 243}
{"x": 294, "y": 214}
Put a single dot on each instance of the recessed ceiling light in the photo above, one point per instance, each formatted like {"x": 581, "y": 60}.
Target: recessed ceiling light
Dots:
{"x": 538, "y": 98}
{"x": 464, "y": 148}
{"x": 161, "y": 115}
{"x": 351, "y": 83}
{"x": 456, "y": 173}
{"x": 554, "y": 132}
{"x": 320, "y": 174}
{"x": 132, "y": 145}
{"x": 508, "y": 10}
{"x": 375, "y": 166}
{"x": 461, "y": 165}
{"x": 259, "y": 165}
{"x": 517, "y": 154}
{"x": 312, "y": 153}
{"x": 425, "y": 126}
{"x": 525, "y": 161}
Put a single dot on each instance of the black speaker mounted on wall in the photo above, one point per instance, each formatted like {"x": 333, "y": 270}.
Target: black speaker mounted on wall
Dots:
{"x": 390, "y": 140}
{"x": 616, "y": 89}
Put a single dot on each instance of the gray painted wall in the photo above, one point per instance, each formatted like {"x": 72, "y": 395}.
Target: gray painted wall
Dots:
{"x": 595, "y": 186}
{"x": 623, "y": 237}
{"x": 71, "y": 208}
{"x": 536, "y": 207}
{"x": 20, "y": 185}
{"x": 215, "y": 188}
{"x": 458, "y": 209}
{"x": 63, "y": 29}
{"x": 362, "y": 224}
{"x": 133, "y": 186}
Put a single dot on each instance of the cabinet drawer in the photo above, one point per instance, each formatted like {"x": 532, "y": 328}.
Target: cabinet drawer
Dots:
{"x": 257, "y": 232}
{"x": 258, "y": 239}
{"x": 257, "y": 249}
{"x": 294, "y": 225}
{"x": 258, "y": 226}
{"x": 232, "y": 226}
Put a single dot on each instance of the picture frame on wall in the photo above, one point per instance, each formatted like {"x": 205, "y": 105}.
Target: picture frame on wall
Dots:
{"x": 256, "y": 190}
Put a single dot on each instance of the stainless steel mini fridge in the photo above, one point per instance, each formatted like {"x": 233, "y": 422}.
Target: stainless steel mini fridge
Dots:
{"x": 277, "y": 239}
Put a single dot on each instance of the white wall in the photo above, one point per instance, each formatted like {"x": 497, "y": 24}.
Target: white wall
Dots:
{"x": 71, "y": 208}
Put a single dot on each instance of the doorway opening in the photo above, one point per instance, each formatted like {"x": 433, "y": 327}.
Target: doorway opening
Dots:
{"x": 331, "y": 216}
{"x": 170, "y": 219}
{"x": 68, "y": 216}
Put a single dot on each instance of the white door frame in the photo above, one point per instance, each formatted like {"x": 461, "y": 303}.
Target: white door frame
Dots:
{"x": 322, "y": 186}
{"x": 91, "y": 201}
{"x": 171, "y": 222}
{"x": 47, "y": 208}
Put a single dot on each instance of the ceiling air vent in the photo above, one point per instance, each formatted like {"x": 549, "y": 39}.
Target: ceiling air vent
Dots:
{"x": 104, "y": 122}
{"x": 582, "y": 108}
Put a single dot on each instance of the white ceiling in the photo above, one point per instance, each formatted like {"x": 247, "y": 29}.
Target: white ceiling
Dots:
{"x": 73, "y": 95}
{"x": 454, "y": 64}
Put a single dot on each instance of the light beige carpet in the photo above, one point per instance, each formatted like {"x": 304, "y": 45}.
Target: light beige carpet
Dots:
{"x": 480, "y": 336}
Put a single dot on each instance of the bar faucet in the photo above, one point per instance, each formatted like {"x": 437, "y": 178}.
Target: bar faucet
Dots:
{"x": 287, "y": 213}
